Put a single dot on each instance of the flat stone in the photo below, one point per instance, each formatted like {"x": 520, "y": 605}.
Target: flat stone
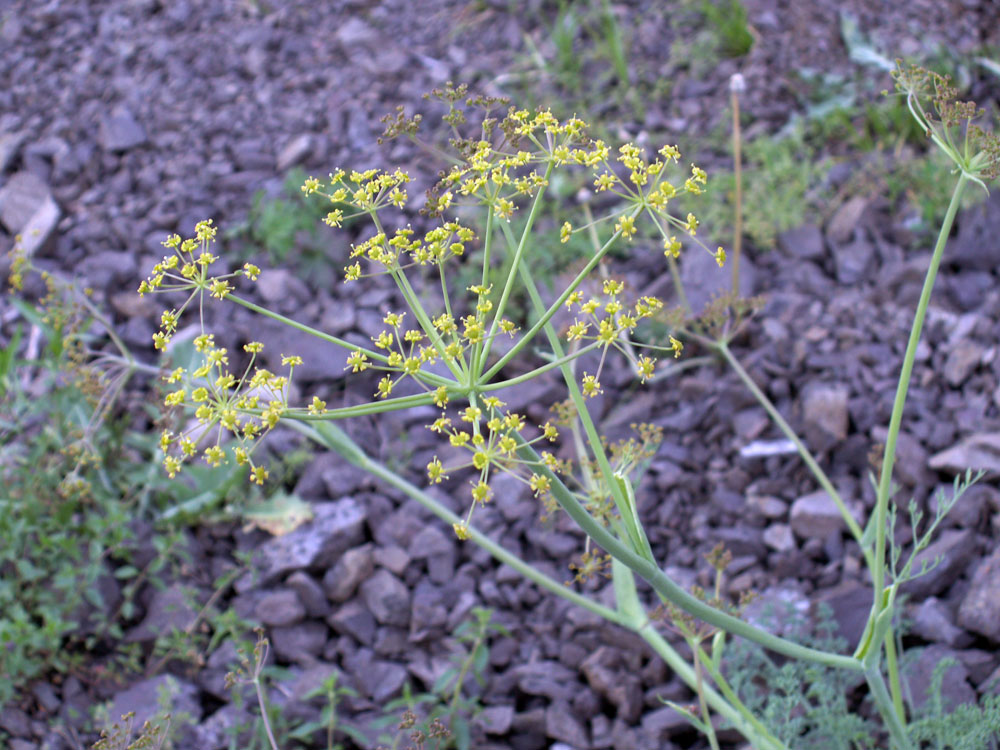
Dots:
{"x": 779, "y": 536}
{"x": 980, "y": 608}
{"x": 335, "y": 528}
{"x": 815, "y": 516}
{"x": 295, "y": 152}
{"x": 342, "y": 580}
{"x": 980, "y": 451}
{"x": 354, "y": 619}
{"x": 145, "y": 699}
{"x": 302, "y": 643}
{"x": 561, "y": 724}
{"x": 387, "y": 598}
{"x": 850, "y": 602}
{"x": 280, "y": 608}
{"x": 917, "y": 670}
{"x": 310, "y": 593}
{"x": 169, "y": 609}
{"x": 495, "y": 719}
{"x": 120, "y": 131}
{"x": 10, "y": 144}
{"x": 934, "y": 621}
{"x": 855, "y": 261}
{"x": 548, "y": 678}
{"x": 804, "y": 242}
{"x": 953, "y": 549}
{"x": 217, "y": 730}
{"x": 21, "y": 197}
{"x": 844, "y": 221}
{"x": 664, "y": 722}
{"x": 824, "y": 412}
{"x": 962, "y": 360}
{"x": 606, "y": 678}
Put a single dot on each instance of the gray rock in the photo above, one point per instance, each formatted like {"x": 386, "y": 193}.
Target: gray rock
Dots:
{"x": 495, "y": 719}
{"x": 850, "y": 602}
{"x": 844, "y": 222}
{"x": 170, "y": 609}
{"x": 280, "y": 608}
{"x": 354, "y": 566}
{"x": 10, "y": 144}
{"x": 280, "y": 285}
{"x": 815, "y": 516}
{"x": 387, "y": 598}
{"x": 824, "y": 412}
{"x": 310, "y": 593}
{"x": 216, "y": 732}
{"x": 15, "y": 722}
{"x": 854, "y": 261}
{"x": 703, "y": 279}
{"x": 977, "y": 232}
{"x": 335, "y": 528}
{"x": 779, "y": 536}
{"x": 978, "y": 451}
{"x": 431, "y": 544}
{"x": 953, "y": 550}
{"x": 158, "y": 695}
{"x": 804, "y": 242}
{"x": 295, "y": 152}
{"x": 120, "y": 131}
{"x": 980, "y": 608}
{"x": 548, "y": 678}
{"x": 301, "y": 643}
{"x": 962, "y": 360}
{"x": 354, "y": 619}
{"x": 605, "y": 676}
{"x": 377, "y": 679}
{"x": 934, "y": 621}
{"x": 21, "y": 198}
{"x": 561, "y": 724}
{"x": 664, "y": 722}
{"x": 393, "y": 558}
{"x": 917, "y": 670}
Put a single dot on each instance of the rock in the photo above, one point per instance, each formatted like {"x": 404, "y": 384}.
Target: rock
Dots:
{"x": 804, "y": 242}
{"x": 978, "y": 228}
{"x": 335, "y": 528}
{"x": 962, "y": 360}
{"x": 495, "y": 719}
{"x": 310, "y": 593}
{"x": 354, "y": 619}
{"x": 280, "y": 608}
{"x": 854, "y": 261}
{"x": 15, "y": 722}
{"x": 438, "y": 549}
{"x": 387, "y": 598}
{"x": 934, "y": 621}
{"x": 980, "y": 608}
{"x": 953, "y": 549}
{"x": 10, "y": 144}
{"x": 779, "y": 536}
{"x": 216, "y": 732}
{"x": 844, "y": 222}
{"x": 21, "y": 197}
{"x": 377, "y": 679}
{"x": 393, "y": 558}
{"x": 279, "y": 285}
{"x": 978, "y": 451}
{"x": 561, "y": 724}
{"x": 664, "y": 722}
{"x": 824, "y": 412}
{"x": 295, "y": 152}
{"x": 917, "y": 670}
{"x": 605, "y": 676}
{"x": 120, "y": 131}
{"x": 146, "y": 699}
{"x": 354, "y": 566}
{"x": 170, "y": 608}
{"x": 815, "y": 516}
{"x": 548, "y": 678}
{"x": 302, "y": 643}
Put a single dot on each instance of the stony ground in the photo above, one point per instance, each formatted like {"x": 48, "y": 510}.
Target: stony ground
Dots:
{"x": 123, "y": 121}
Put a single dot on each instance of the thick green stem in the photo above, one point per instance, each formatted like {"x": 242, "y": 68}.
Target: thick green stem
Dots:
{"x": 665, "y": 586}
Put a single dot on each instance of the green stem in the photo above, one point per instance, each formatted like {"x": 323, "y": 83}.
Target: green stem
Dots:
{"x": 665, "y": 586}
{"x": 897, "y": 731}
{"x": 807, "y": 457}
{"x": 889, "y": 456}
{"x": 553, "y": 308}
{"x": 516, "y": 265}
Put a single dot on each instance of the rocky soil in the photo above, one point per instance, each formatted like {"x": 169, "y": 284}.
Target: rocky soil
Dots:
{"x": 122, "y": 121}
